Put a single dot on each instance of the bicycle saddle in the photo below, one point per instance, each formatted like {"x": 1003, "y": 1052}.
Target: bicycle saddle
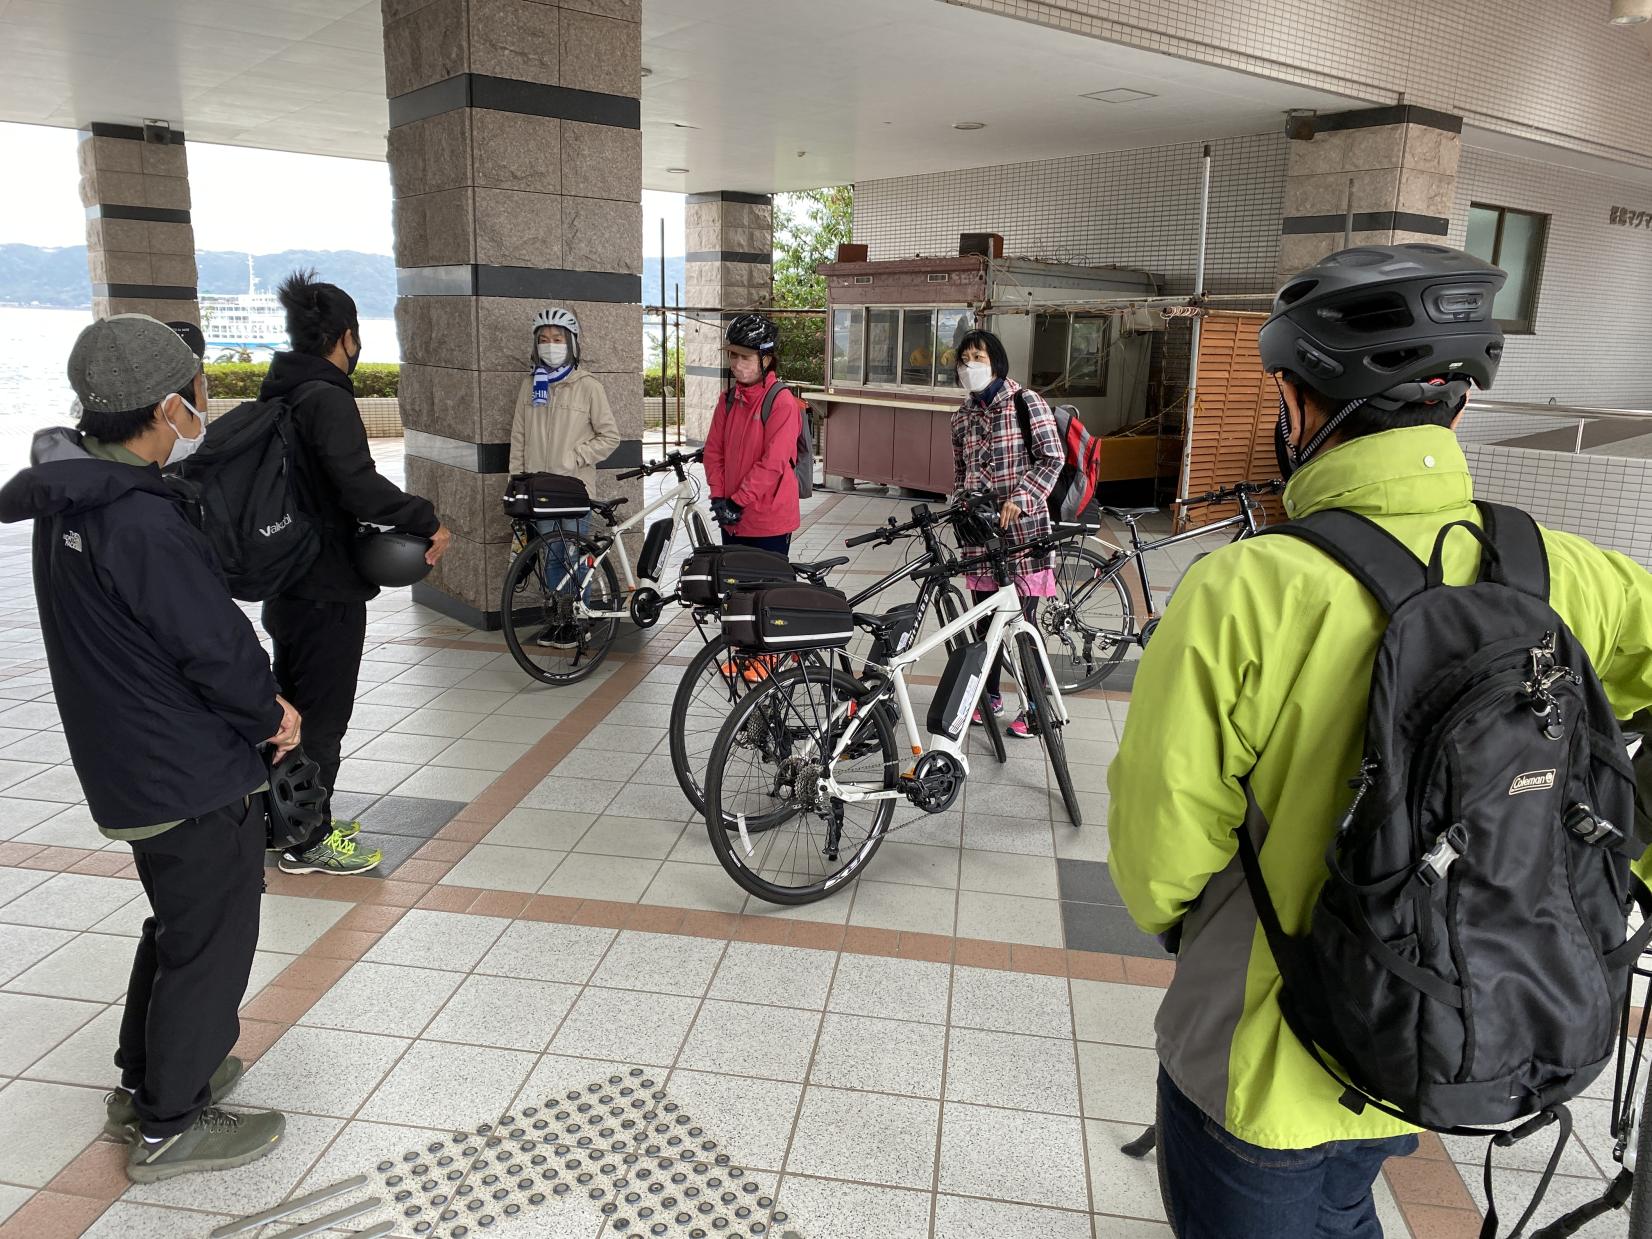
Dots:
{"x": 821, "y": 567}
{"x": 608, "y": 506}
{"x": 1129, "y": 514}
{"x": 880, "y": 625}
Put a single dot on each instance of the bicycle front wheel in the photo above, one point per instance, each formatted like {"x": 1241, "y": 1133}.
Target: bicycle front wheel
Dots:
{"x": 714, "y": 681}
{"x": 1049, "y": 730}
{"x": 773, "y": 826}
{"x": 1091, "y": 616}
{"x": 552, "y": 606}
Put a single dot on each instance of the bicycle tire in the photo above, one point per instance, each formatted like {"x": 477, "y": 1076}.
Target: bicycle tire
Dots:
{"x": 726, "y": 839}
{"x": 1076, "y": 567}
{"x": 695, "y": 692}
{"x": 1640, "y": 1197}
{"x": 524, "y": 577}
{"x": 1049, "y": 731}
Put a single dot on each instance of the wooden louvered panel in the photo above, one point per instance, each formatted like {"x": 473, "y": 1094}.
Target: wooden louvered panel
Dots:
{"x": 1236, "y": 407}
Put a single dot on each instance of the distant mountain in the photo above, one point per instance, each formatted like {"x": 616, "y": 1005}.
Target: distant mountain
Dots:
{"x": 31, "y": 275}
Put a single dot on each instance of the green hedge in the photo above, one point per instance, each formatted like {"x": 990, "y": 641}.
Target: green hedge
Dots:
{"x": 651, "y": 385}
{"x": 239, "y": 380}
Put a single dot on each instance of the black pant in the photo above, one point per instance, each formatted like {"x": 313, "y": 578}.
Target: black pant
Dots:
{"x": 779, "y": 543}
{"x": 317, "y": 659}
{"x": 995, "y": 677}
{"x": 203, "y": 878}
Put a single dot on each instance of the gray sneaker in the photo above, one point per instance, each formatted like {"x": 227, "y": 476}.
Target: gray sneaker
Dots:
{"x": 121, "y": 1116}
{"x": 338, "y": 853}
{"x": 216, "y": 1140}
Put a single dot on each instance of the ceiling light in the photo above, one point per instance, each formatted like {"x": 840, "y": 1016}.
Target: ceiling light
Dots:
{"x": 676, "y": 171}
{"x": 1631, "y": 12}
{"x": 1126, "y": 94}
{"x": 970, "y": 125}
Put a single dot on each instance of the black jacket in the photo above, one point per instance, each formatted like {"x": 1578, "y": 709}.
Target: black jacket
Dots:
{"x": 338, "y": 483}
{"x": 164, "y": 691}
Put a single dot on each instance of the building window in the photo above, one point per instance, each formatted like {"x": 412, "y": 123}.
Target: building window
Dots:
{"x": 1514, "y": 240}
{"x": 918, "y": 345}
{"x": 848, "y": 345}
{"x": 883, "y": 345}
{"x": 1069, "y": 357}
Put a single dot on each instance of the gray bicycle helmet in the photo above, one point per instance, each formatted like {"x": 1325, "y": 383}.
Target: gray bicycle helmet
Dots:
{"x": 1386, "y": 324}
{"x": 392, "y": 559}
{"x": 294, "y": 800}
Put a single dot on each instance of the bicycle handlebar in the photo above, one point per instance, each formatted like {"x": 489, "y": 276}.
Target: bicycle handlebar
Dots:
{"x": 672, "y": 461}
{"x": 923, "y": 517}
{"x": 1238, "y": 491}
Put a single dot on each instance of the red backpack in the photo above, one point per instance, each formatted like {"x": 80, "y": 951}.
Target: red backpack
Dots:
{"x": 1075, "y": 490}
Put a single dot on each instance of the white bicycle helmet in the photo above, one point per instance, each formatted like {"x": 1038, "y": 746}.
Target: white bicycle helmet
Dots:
{"x": 556, "y": 316}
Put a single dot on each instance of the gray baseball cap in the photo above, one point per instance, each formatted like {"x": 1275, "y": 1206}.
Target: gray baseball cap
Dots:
{"x": 128, "y": 362}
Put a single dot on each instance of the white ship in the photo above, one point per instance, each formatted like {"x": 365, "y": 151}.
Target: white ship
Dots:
{"x": 252, "y": 321}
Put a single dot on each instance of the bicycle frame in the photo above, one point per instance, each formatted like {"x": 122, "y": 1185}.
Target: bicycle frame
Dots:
{"x": 1005, "y": 620}
{"x": 1244, "y": 520}
{"x": 682, "y": 499}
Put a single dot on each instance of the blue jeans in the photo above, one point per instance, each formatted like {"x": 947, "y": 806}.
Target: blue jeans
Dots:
{"x": 1216, "y": 1186}
{"x": 558, "y": 563}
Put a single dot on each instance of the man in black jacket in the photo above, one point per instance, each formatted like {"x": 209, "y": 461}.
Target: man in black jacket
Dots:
{"x": 319, "y": 624}
{"x": 165, "y": 696}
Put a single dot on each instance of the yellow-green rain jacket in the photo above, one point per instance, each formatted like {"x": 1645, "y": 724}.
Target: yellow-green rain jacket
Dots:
{"x": 1260, "y": 670}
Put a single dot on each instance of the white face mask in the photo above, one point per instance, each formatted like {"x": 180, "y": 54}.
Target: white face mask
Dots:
{"x": 974, "y": 376}
{"x": 182, "y": 448}
{"x": 553, "y": 355}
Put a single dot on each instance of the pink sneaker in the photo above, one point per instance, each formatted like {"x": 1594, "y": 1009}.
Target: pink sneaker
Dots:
{"x": 1022, "y": 728}
{"x": 995, "y": 703}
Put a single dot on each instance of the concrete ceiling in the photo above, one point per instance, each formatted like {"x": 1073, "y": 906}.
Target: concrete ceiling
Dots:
{"x": 736, "y": 89}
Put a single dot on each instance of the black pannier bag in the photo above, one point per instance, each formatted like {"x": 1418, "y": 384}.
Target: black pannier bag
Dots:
{"x": 780, "y": 618}
{"x": 711, "y": 573}
{"x": 546, "y": 497}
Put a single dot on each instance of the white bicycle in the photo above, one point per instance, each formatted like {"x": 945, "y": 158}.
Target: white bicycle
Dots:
{"x": 805, "y": 775}
{"x": 562, "y": 600}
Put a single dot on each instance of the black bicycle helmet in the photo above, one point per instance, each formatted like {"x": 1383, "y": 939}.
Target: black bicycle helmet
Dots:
{"x": 754, "y": 331}
{"x": 392, "y": 559}
{"x": 1387, "y": 324}
{"x": 294, "y": 799}
{"x": 976, "y": 520}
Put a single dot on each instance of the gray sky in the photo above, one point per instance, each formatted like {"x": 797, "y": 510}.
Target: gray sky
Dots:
{"x": 234, "y": 208}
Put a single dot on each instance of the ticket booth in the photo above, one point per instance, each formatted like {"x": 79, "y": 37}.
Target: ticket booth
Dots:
{"x": 895, "y": 326}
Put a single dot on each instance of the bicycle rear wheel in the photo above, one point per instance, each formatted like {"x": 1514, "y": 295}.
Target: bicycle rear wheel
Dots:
{"x": 551, "y": 636}
{"x": 1091, "y": 615}
{"x": 772, "y": 827}
{"x": 1049, "y": 730}
{"x": 1640, "y": 1198}
{"x": 713, "y": 683}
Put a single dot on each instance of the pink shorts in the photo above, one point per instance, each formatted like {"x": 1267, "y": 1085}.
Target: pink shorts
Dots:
{"x": 1040, "y": 584}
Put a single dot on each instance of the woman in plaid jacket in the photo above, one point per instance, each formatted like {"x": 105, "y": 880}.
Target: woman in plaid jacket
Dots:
{"x": 990, "y": 451}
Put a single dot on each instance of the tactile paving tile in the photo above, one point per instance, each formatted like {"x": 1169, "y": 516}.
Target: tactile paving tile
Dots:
{"x": 620, "y": 1143}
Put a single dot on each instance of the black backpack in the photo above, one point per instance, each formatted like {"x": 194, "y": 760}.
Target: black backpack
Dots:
{"x": 1466, "y": 961}
{"x": 804, "y": 463}
{"x": 243, "y": 480}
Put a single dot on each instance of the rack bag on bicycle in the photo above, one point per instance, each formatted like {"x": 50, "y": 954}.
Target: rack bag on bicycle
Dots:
{"x": 778, "y": 618}
{"x": 712, "y": 573}
{"x": 546, "y": 497}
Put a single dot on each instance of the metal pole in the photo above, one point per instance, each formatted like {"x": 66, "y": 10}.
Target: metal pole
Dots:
{"x": 677, "y": 300}
{"x": 664, "y": 341}
{"x": 1198, "y": 291}
{"x": 1348, "y": 218}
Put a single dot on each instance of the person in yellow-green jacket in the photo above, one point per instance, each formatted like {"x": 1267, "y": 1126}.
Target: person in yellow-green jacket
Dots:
{"x": 1257, "y": 678}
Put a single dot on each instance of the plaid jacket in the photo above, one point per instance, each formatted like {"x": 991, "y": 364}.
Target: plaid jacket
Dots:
{"x": 988, "y": 451}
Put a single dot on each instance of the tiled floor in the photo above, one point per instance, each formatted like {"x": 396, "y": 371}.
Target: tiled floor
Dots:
{"x": 956, "y": 1046}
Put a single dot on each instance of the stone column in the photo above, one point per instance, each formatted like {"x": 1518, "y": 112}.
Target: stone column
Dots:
{"x": 729, "y": 268}
{"x": 1396, "y": 166}
{"x": 140, "y": 244}
{"x": 516, "y": 163}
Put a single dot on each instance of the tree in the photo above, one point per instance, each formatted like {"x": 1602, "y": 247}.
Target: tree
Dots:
{"x": 808, "y": 228}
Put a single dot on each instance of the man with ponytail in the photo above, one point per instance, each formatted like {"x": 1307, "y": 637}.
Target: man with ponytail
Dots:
{"x": 319, "y": 623}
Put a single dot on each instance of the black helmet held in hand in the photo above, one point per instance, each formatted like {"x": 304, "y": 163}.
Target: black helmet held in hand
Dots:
{"x": 294, "y": 800}
{"x": 392, "y": 559}
{"x": 754, "y": 331}
{"x": 1386, "y": 324}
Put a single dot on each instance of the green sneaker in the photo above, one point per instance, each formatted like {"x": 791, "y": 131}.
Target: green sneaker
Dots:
{"x": 348, "y": 830}
{"x": 121, "y": 1121}
{"x": 216, "y": 1140}
{"x": 337, "y": 854}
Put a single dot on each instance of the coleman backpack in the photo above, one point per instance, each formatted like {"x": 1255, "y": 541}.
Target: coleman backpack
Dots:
{"x": 1075, "y": 490}
{"x": 242, "y": 479}
{"x": 804, "y": 465}
{"x": 1466, "y": 960}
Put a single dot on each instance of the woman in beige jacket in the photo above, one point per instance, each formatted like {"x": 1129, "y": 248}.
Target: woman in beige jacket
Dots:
{"x": 562, "y": 423}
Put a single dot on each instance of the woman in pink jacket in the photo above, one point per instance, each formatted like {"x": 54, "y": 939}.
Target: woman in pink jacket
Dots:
{"x": 750, "y": 462}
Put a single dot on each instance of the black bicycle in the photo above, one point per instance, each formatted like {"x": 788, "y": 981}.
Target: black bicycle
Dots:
{"x": 719, "y": 676}
{"x": 1092, "y": 616}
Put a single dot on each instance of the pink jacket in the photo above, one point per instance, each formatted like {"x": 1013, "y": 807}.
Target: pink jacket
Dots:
{"x": 751, "y": 463}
